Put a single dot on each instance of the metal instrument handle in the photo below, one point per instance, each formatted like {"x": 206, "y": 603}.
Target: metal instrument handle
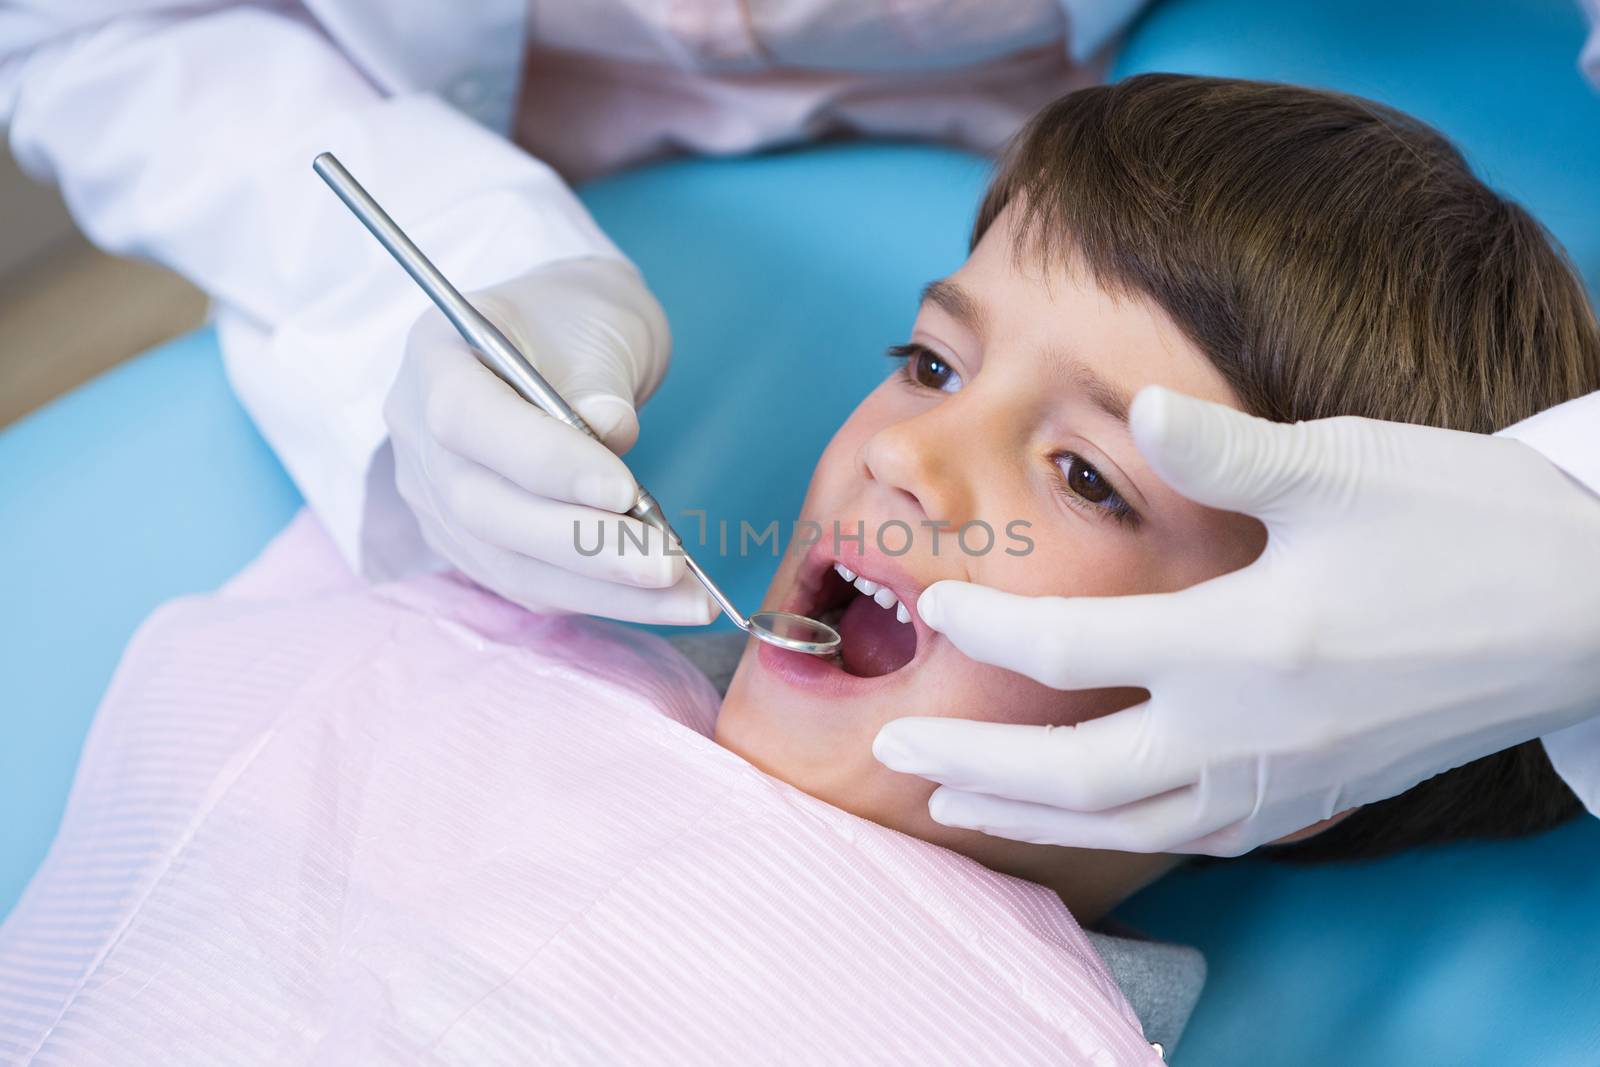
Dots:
{"x": 494, "y": 347}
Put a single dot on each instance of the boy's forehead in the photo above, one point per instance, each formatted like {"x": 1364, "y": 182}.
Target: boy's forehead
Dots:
{"x": 1056, "y": 316}
{"x": 1004, "y": 274}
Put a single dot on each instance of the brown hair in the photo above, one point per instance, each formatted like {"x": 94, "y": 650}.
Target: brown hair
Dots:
{"x": 1331, "y": 256}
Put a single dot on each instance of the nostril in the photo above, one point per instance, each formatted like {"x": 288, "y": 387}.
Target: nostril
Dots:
{"x": 909, "y": 498}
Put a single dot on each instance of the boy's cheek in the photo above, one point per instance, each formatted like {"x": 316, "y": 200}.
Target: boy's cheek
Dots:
{"x": 964, "y": 689}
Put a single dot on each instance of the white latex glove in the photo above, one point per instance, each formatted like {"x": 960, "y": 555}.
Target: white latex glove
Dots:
{"x": 1425, "y": 598}
{"x": 497, "y": 485}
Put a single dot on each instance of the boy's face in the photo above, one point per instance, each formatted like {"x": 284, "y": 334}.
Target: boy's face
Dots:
{"x": 1011, "y": 412}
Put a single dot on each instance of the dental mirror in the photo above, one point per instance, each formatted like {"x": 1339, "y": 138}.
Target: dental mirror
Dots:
{"x": 495, "y": 351}
{"x": 794, "y": 632}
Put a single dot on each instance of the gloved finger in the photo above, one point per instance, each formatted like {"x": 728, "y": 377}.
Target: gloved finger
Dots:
{"x": 1230, "y": 788}
{"x": 610, "y": 416}
{"x": 586, "y": 541}
{"x": 1157, "y": 824}
{"x": 540, "y": 586}
{"x": 1234, "y": 839}
{"x": 1226, "y": 459}
{"x": 1070, "y": 643}
{"x": 475, "y": 415}
{"x": 1096, "y": 765}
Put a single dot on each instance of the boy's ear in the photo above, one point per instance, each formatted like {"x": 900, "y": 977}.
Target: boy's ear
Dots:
{"x": 1316, "y": 828}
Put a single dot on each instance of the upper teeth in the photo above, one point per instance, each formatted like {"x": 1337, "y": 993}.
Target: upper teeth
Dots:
{"x": 881, "y": 593}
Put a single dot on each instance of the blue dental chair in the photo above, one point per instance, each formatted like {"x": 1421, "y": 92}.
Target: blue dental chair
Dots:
{"x": 785, "y": 276}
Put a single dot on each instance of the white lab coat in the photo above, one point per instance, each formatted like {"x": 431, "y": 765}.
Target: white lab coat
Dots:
{"x": 183, "y": 132}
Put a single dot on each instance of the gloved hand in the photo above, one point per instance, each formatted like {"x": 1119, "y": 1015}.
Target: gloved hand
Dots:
{"x": 1425, "y": 598}
{"x": 497, "y": 485}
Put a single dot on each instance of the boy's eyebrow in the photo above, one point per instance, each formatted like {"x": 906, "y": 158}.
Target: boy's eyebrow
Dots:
{"x": 1101, "y": 393}
{"x": 956, "y": 302}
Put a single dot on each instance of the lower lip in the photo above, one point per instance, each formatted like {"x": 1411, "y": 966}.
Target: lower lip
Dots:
{"x": 820, "y": 676}
{"x": 817, "y": 675}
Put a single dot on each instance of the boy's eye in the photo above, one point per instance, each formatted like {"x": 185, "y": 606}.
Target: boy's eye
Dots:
{"x": 924, "y": 367}
{"x": 1084, "y": 482}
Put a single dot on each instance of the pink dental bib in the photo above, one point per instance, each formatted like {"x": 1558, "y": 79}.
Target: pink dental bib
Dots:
{"x": 321, "y": 823}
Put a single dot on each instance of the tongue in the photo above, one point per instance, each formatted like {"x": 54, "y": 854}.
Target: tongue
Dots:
{"x": 874, "y": 642}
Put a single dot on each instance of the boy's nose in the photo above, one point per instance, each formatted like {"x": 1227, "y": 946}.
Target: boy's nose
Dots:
{"x": 919, "y": 462}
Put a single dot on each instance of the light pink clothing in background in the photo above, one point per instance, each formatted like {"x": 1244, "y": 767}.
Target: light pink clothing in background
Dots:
{"x": 316, "y": 823}
{"x": 612, "y": 83}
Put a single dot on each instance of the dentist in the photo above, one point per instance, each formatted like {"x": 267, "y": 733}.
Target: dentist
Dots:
{"x": 183, "y": 132}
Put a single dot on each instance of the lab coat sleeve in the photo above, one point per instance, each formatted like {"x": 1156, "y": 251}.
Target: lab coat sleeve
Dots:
{"x": 1575, "y": 751}
{"x": 1569, "y": 436}
{"x": 187, "y": 136}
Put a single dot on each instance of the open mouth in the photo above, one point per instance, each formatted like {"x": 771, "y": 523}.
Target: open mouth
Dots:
{"x": 878, "y": 636}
